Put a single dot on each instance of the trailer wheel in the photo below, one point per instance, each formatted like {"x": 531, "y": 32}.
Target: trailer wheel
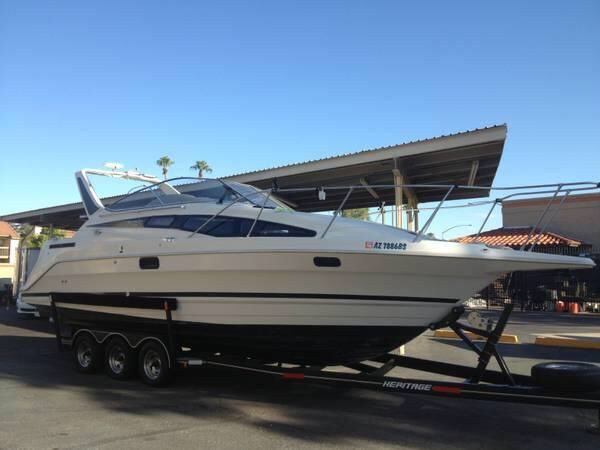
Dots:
{"x": 567, "y": 376}
{"x": 119, "y": 359}
{"x": 86, "y": 354}
{"x": 153, "y": 364}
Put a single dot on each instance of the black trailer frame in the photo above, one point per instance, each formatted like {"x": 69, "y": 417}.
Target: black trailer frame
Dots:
{"x": 478, "y": 383}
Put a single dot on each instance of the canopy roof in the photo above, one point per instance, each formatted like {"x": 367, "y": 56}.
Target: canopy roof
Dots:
{"x": 467, "y": 158}
{"x": 515, "y": 237}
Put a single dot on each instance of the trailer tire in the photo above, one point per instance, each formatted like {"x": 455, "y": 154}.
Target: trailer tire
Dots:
{"x": 153, "y": 365}
{"x": 119, "y": 359}
{"x": 567, "y": 376}
{"x": 86, "y": 354}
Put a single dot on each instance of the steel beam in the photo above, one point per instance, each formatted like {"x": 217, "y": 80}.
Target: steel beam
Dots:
{"x": 399, "y": 191}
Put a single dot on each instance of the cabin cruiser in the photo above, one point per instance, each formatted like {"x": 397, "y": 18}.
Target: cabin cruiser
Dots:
{"x": 253, "y": 278}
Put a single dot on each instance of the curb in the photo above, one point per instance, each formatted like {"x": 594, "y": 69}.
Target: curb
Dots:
{"x": 553, "y": 341}
{"x": 450, "y": 334}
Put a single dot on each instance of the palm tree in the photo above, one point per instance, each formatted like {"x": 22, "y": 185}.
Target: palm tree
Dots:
{"x": 164, "y": 163}
{"x": 201, "y": 167}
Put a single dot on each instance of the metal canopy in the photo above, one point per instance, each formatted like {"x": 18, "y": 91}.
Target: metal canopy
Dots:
{"x": 465, "y": 158}
{"x": 468, "y": 158}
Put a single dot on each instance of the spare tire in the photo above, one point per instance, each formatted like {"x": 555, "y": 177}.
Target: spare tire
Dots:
{"x": 567, "y": 376}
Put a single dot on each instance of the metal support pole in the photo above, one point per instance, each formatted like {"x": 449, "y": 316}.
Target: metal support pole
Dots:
{"x": 398, "y": 197}
{"x": 411, "y": 215}
{"x": 488, "y": 216}
{"x": 504, "y": 367}
{"x": 193, "y": 233}
{"x": 459, "y": 332}
{"x": 543, "y": 229}
{"x": 259, "y": 214}
{"x": 541, "y": 217}
{"x": 433, "y": 214}
{"x": 337, "y": 211}
{"x": 416, "y": 218}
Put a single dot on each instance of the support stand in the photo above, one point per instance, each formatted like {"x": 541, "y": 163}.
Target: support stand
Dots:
{"x": 489, "y": 349}
{"x": 56, "y": 324}
{"x": 170, "y": 336}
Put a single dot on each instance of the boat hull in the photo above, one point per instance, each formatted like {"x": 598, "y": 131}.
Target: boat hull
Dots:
{"x": 315, "y": 329}
{"x": 278, "y": 305}
{"x": 298, "y": 344}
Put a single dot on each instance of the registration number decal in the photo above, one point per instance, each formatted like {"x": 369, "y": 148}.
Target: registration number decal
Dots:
{"x": 385, "y": 245}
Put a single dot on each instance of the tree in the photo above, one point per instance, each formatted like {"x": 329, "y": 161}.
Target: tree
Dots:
{"x": 164, "y": 163}
{"x": 201, "y": 166}
{"x": 358, "y": 213}
{"x": 31, "y": 240}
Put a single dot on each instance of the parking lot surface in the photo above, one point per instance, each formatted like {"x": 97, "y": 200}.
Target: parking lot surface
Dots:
{"x": 45, "y": 404}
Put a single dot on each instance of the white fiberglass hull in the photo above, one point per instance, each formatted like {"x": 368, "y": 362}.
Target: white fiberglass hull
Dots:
{"x": 278, "y": 304}
{"x": 277, "y": 288}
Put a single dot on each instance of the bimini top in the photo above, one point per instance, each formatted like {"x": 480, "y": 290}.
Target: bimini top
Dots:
{"x": 162, "y": 193}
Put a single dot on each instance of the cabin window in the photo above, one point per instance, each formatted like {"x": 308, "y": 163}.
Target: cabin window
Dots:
{"x": 264, "y": 228}
{"x": 128, "y": 223}
{"x": 221, "y": 226}
{"x": 239, "y": 227}
{"x": 159, "y": 221}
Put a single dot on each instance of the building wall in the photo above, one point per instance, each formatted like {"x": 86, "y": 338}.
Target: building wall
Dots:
{"x": 8, "y": 271}
{"x": 577, "y": 218}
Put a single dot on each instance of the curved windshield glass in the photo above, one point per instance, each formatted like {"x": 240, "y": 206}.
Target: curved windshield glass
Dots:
{"x": 193, "y": 190}
{"x": 255, "y": 196}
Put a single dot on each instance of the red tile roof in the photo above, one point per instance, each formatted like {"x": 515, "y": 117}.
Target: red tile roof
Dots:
{"x": 517, "y": 236}
{"x": 7, "y": 230}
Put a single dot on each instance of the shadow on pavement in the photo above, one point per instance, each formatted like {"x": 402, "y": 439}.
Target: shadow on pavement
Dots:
{"x": 328, "y": 415}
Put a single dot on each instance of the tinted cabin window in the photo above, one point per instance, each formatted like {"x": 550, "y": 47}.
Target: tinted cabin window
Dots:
{"x": 239, "y": 227}
{"x": 193, "y": 223}
{"x": 221, "y": 226}
{"x": 159, "y": 221}
{"x": 264, "y": 228}
{"x": 128, "y": 223}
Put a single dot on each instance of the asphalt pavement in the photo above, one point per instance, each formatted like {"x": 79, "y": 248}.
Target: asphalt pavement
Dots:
{"x": 44, "y": 404}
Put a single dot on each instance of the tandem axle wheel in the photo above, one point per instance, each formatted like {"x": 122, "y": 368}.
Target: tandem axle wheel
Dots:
{"x": 93, "y": 351}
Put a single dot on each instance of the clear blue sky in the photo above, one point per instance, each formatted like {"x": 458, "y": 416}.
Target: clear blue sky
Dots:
{"x": 248, "y": 85}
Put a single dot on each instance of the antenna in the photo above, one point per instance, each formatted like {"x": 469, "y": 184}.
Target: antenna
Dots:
{"x": 113, "y": 165}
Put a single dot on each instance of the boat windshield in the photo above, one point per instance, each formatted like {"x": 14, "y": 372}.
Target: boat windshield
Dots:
{"x": 194, "y": 190}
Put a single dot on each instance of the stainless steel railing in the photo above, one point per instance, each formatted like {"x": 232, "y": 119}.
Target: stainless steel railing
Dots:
{"x": 511, "y": 192}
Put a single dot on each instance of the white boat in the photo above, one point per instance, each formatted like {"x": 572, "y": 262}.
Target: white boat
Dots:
{"x": 251, "y": 277}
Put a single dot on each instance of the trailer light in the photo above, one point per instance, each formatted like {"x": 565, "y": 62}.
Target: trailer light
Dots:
{"x": 447, "y": 389}
{"x": 292, "y": 376}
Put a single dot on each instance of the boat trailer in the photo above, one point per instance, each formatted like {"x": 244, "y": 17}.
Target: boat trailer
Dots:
{"x": 478, "y": 383}
{"x": 564, "y": 384}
